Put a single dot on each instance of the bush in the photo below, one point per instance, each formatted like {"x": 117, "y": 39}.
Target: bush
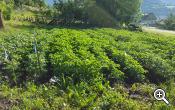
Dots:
{"x": 168, "y": 23}
{"x": 7, "y": 13}
{"x": 134, "y": 27}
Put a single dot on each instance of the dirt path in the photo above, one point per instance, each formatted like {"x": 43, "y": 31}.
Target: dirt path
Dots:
{"x": 4, "y": 103}
{"x": 158, "y": 31}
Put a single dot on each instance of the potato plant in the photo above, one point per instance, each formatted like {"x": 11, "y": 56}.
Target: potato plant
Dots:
{"x": 88, "y": 65}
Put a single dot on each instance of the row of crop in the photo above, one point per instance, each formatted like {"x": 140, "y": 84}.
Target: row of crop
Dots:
{"x": 84, "y": 56}
{"x": 19, "y": 57}
{"x": 153, "y": 52}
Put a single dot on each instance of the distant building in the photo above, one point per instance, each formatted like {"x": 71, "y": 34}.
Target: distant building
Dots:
{"x": 149, "y": 19}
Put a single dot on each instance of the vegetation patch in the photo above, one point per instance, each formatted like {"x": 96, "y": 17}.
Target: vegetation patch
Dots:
{"x": 85, "y": 65}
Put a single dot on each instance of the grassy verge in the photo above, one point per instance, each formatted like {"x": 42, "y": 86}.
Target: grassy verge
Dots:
{"x": 159, "y": 31}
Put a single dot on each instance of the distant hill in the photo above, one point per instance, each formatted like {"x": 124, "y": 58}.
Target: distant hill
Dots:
{"x": 168, "y": 2}
{"x": 161, "y": 8}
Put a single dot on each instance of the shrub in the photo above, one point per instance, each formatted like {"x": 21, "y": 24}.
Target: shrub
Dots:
{"x": 7, "y": 13}
{"x": 168, "y": 23}
{"x": 134, "y": 27}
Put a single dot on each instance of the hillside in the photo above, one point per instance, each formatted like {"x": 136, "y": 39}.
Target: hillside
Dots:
{"x": 159, "y": 7}
{"x": 169, "y": 2}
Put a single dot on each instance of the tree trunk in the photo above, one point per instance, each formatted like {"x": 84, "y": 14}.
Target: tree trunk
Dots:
{"x": 1, "y": 20}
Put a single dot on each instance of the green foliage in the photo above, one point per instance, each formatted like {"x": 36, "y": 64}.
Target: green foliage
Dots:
{"x": 70, "y": 11}
{"x": 114, "y": 13}
{"x": 122, "y": 11}
{"x": 159, "y": 69}
{"x": 75, "y": 56}
{"x": 88, "y": 65}
{"x": 84, "y": 96}
{"x": 134, "y": 27}
{"x": 133, "y": 70}
{"x": 6, "y": 7}
{"x": 168, "y": 23}
{"x": 94, "y": 11}
{"x": 34, "y": 3}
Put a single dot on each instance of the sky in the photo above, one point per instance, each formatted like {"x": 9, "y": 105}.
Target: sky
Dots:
{"x": 50, "y": 2}
{"x": 164, "y": 1}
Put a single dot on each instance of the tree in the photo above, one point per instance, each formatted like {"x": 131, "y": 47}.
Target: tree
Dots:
{"x": 170, "y": 22}
{"x": 18, "y": 3}
{"x": 35, "y": 3}
{"x": 99, "y": 16}
{"x": 2, "y": 7}
{"x": 6, "y": 7}
{"x": 99, "y": 12}
{"x": 70, "y": 11}
{"x": 123, "y": 11}
{"x": 1, "y": 20}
